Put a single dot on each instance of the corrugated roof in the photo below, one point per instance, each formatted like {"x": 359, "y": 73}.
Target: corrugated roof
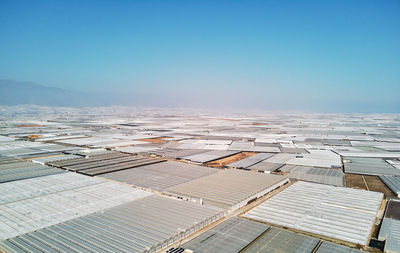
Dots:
{"x": 160, "y": 176}
{"x": 43, "y": 201}
{"x": 8, "y": 159}
{"x": 327, "y": 247}
{"x": 209, "y": 156}
{"x": 294, "y": 150}
{"x": 23, "y": 170}
{"x": 317, "y": 158}
{"x": 369, "y": 154}
{"x": 228, "y": 188}
{"x": 242, "y": 146}
{"x": 342, "y": 213}
{"x": 102, "y": 164}
{"x": 368, "y": 166}
{"x": 118, "y": 167}
{"x": 266, "y": 149}
{"x": 265, "y": 167}
{"x": 177, "y": 153}
{"x": 280, "y": 158}
{"x": 44, "y": 160}
{"x": 26, "y": 152}
{"x": 230, "y": 236}
{"x": 143, "y": 225}
{"x": 390, "y": 227}
{"x": 393, "y": 182}
{"x": 390, "y": 233}
{"x": 247, "y": 162}
{"x": 94, "y": 158}
{"x": 136, "y": 149}
{"x": 279, "y": 240}
{"x": 316, "y": 175}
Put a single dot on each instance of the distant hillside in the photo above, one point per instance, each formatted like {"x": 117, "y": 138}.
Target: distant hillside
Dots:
{"x": 15, "y": 93}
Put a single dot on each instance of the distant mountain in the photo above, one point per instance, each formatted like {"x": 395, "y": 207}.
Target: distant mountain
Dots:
{"x": 15, "y": 93}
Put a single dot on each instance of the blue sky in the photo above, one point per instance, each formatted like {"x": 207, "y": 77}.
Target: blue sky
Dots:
{"x": 275, "y": 55}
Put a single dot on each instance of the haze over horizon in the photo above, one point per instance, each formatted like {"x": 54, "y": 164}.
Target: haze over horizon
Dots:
{"x": 325, "y": 56}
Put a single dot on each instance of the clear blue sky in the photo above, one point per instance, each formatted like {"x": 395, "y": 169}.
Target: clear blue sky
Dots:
{"x": 286, "y": 55}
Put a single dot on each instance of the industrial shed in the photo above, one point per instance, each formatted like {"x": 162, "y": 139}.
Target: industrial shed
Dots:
{"x": 23, "y": 170}
{"x": 368, "y": 166}
{"x": 209, "y": 156}
{"x": 177, "y": 153}
{"x": 247, "y": 162}
{"x": 327, "y": 247}
{"x": 44, "y": 160}
{"x": 265, "y": 167}
{"x": 317, "y": 158}
{"x": 24, "y": 149}
{"x": 279, "y": 240}
{"x": 390, "y": 227}
{"x": 106, "y": 163}
{"x": 102, "y": 156}
{"x": 242, "y": 146}
{"x": 393, "y": 183}
{"x": 144, "y": 225}
{"x": 267, "y": 149}
{"x": 136, "y": 149}
{"x": 160, "y": 176}
{"x": 362, "y": 154}
{"x": 31, "y": 204}
{"x": 341, "y": 213}
{"x": 294, "y": 150}
{"x": 8, "y": 159}
{"x": 228, "y": 189}
{"x": 281, "y": 158}
{"x": 26, "y": 152}
{"x": 107, "y": 140}
{"x": 230, "y": 236}
{"x": 315, "y": 175}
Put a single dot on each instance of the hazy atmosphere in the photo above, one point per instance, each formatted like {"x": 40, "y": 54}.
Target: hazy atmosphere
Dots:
{"x": 324, "y": 56}
{"x": 200, "y": 126}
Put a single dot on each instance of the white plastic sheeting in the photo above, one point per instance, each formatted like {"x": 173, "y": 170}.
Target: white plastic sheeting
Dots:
{"x": 31, "y": 204}
{"x": 209, "y": 156}
{"x": 266, "y": 149}
{"x": 228, "y": 189}
{"x": 315, "y": 175}
{"x": 390, "y": 232}
{"x": 370, "y": 154}
{"x": 368, "y": 166}
{"x": 317, "y": 158}
{"x": 242, "y": 146}
{"x": 390, "y": 227}
{"x": 144, "y": 225}
{"x": 247, "y": 162}
{"x": 341, "y": 213}
{"x": 393, "y": 182}
{"x": 44, "y": 160}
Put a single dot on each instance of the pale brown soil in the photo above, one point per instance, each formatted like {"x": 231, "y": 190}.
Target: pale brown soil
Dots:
{"x": 376, "y": 185}
{"x": 154, "y": 140}
{"x": 370, "y": 183}
{"x": 28, "y": 125}
{"x": 230, "y": 159}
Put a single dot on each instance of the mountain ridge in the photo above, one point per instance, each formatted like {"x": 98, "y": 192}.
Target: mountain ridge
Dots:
{"x": 25, "y": 92}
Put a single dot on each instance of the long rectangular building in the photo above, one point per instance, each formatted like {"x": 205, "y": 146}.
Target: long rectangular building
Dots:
{"x": 337, "y": 212}
{"x": 228, "y": 189}
{"x": 160, "y": 176}
{"x": 32, "y": 204}
{"x": 144, "y": 225}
